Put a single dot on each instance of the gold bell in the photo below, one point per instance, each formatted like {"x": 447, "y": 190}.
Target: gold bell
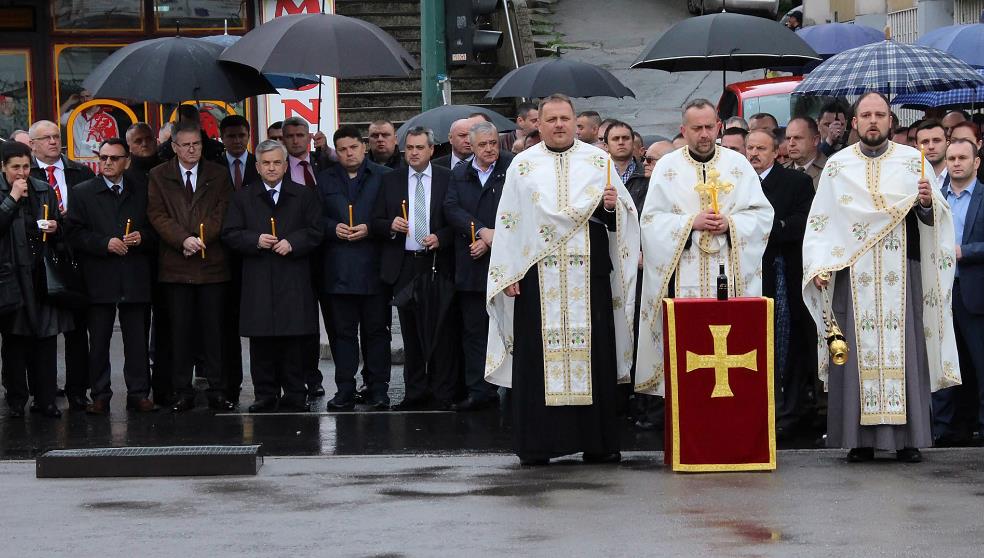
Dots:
{"x": 837, "y": 345}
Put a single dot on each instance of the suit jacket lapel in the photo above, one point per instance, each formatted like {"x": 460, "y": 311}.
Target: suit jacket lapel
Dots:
{"x": 972, "y": 209}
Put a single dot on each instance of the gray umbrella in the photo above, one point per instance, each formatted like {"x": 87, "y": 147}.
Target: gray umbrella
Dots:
{"x": 440, "y": 119}
{"x": 557, "y": 75}
{"x": 173, "y": 70}
{"x": 323, "y": 44}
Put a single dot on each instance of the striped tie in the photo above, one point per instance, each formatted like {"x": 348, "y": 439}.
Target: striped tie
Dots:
{"x": 420, "y": 225}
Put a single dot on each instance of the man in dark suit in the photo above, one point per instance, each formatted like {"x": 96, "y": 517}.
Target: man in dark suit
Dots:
{"x": 108, "y": 227}
{"x": 234, "y": 131}
{"x": 275, "y": 226}
{"x": 473, "y": 197}
{"x": 965, "y": 194}
{"x": 187, "y": 201}
{"x": 461, "y": 151}
{"x": 791, "y": 193}
{"x": 62, "y": 175}
{"x": 416, "y": 239}
{"x": 350, "y": 281}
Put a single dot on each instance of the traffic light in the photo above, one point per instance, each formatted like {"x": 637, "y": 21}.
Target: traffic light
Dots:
{"x": 465, "y": 30}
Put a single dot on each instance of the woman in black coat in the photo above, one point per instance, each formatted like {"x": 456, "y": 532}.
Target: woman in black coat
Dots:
{"x": 29, "y": 331}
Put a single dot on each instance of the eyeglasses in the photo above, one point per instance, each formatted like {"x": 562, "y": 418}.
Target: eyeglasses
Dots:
{"x": 49, "y": 137}
{"x": 189, "y": 145}
{"x": 112, "y": 158}
{"x": 650, "y": 160}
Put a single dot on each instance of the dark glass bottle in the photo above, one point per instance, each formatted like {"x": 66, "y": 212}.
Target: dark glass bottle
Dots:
{"x": 722, "y": 284}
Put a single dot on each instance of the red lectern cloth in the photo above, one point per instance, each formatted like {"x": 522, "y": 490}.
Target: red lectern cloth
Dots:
{"x": 720, "y": 405}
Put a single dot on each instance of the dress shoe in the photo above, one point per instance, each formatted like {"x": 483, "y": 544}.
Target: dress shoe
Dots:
{"x": 859, "y": 455}
{"x": 378, "y": 405}
{"x": 35, "y": 406}
{"x": 163, "y": 401}
{"x": 294, "y": 405}
{"x": 534, "y": 461}
{"x": 233, "y": 396}
{"x": 316, "y": 390}
{"x": 908, "y": 455}
{"x": 140, "y": 405}
{"x": 416, "y": 404}
{"x": 59, "y": 392}
{"x": 948, "y": 441}
{"x": 977, "y": 440}
{"x": 268, "y": 405}
{"x": 183, "y": 404}
{"x": 221, "y": 404}
{"x": 98, "y": 407}
{"x": 15, "y": 411}
{"x": 471, "y": 404}
{"x": 78, "y": 402}
{"x": 613, "y": 457}
{"x": 51, "y": 411}
{"x": 339, "y": 404}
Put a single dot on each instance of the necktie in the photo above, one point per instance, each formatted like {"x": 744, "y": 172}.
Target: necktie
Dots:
{"x": 419, "y": 209}
{"x": 117, "y": 189}
{"x": 188, "y": 186}
{"x": 308, "y": 177}
{"x": 273, "y": 196}
{"x": 53, "y": 182}
{"x": 459, "y": 163}
{"x": 237, "y": 174}
{"x": 801, "y": 169}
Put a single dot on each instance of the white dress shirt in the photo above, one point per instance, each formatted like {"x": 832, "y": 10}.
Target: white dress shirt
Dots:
{"x": 765, "y": 173}
{"x": 59, "y": 177}
{"x": 483, "y": 175}
{"x": 109, "y": 183}
{"x": 231, "y": 161}
{"x": 411, "y": 243}
{"x": 275, "y": 189}
{"x": 184, "y": 176}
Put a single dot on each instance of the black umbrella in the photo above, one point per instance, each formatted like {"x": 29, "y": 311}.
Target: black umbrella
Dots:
{"x": 323, "y": 44}
{"x": 429, "y": 295}
{"x": 441, "y": 118}
{"x": 557, "y": 75}
{"x": 725, "y": 42}
{"x": 173, "y": 70}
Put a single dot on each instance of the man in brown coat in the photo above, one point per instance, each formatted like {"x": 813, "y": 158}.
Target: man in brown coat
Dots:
{"x": 187, "y": 199}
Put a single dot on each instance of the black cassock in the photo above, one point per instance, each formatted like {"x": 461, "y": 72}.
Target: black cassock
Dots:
{"x": 542, "y": 432}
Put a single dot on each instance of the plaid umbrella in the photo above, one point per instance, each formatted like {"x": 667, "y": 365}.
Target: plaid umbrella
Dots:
{"x": 955, "y": 98}
{"x": 890, "y": 68}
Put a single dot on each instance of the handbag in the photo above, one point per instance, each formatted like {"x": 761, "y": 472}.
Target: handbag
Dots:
{"x": 11, "y": 298}
{"x": 63, "y": 279}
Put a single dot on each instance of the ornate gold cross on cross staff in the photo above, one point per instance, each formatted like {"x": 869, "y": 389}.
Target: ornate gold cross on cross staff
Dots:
{"x": 711, "y": 186}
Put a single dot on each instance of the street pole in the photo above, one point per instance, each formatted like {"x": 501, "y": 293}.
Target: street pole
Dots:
{"x": 433, "y": 55}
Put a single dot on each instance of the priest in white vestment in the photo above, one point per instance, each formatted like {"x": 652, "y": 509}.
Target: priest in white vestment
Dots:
{"x": 685, "y": 242}
{"x": 879, "y": 257}
{"x": 561, "y": 293}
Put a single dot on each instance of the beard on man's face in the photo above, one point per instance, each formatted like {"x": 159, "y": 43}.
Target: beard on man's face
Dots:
{"x": 874, "y": 141}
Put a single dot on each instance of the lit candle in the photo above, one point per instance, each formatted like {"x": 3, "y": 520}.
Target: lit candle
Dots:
{"x": 403, "y": 205}
{"x": 201, "y": 237}
{"x": 473, "y": 231}
{"x": 129, "y": 223}
{"x": 44, "y": 236}
{"x": 609, "y": 173}
{"x": 922, "y": 162}
{"x": 273, "y": 226}
{"x": 351, "y": 221}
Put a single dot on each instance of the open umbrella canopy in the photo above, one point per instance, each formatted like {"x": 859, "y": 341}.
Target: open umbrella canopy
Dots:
{"x": 280, "y": 81}
{"x": 965, "y": 42}
{"x": 173, "y": 70}
{"x": 890, "y": 68}
{"x": 828, "y": 39}
{"x": 955, "y": 98}
{"x": 557, "y": 75}
{"x": 725, "y": 41}
{"x": 323, "y": 44}
{"x": 440, "y": 119}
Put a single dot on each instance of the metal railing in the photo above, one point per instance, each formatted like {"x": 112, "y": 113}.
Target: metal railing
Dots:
{"x": 967, "y": 11}
{"x": 905, "y": 25}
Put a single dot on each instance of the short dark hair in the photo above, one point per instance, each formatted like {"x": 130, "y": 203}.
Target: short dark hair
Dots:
{"x": 189, "y": 112}
{"x": 184, "y": 126}
{"x": 796, "y": 16}
{"x": 833, "y": 107}
{"x": 115, "y": 141}
{"x": 278, "y": 125}
{"x": 811, "y": 124}
{"x": 761, "y": 115}
{"x": 555, "y": 98}
{"x": 233, "y": 120}
{"x": 481, "y": 115}
{"x": 346, "y": 132}
{"x": 930, "y": 124}
{"x": 973, "y": 146}
{"x": 523, "y": 110}
{"x": 696, "y": 104}
{"x": 11, "y": 149}
{"x": 592, "y": 114}
{"x": 775, "y": 139}
{"x": 736, "y": 131}
{"x": 854, "y": 107}
{"x": 618, "y": 124}
{"x": 638, "y": 136}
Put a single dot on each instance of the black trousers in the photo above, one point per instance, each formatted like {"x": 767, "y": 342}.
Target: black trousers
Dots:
{"x": 312, "y": 360}
{"x": 960, "y": 408}
{"x": 77, "y": 356}
{"x": 30, "y": 359}
{"x": 136, "y": 372}
{"x": 276, "y": 365}
{"x": 373, "y": 313}
{"x": 475, "y": 336}
{"x": 161, "y": 347}
{"x": 195, "y": 313}
{"x": 434, "y": 376}
{"x": 232, "y": 347}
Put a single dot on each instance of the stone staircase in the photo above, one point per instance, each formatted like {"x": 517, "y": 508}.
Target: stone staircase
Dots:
{"x": 360, "y": 101}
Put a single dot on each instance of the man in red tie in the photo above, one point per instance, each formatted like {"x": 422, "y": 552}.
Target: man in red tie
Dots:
{"x": 187, "y": 199}
{"x": 62, "y": 175}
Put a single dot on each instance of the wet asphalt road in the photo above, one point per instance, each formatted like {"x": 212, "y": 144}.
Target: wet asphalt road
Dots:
{"x": 815, "y": 504}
